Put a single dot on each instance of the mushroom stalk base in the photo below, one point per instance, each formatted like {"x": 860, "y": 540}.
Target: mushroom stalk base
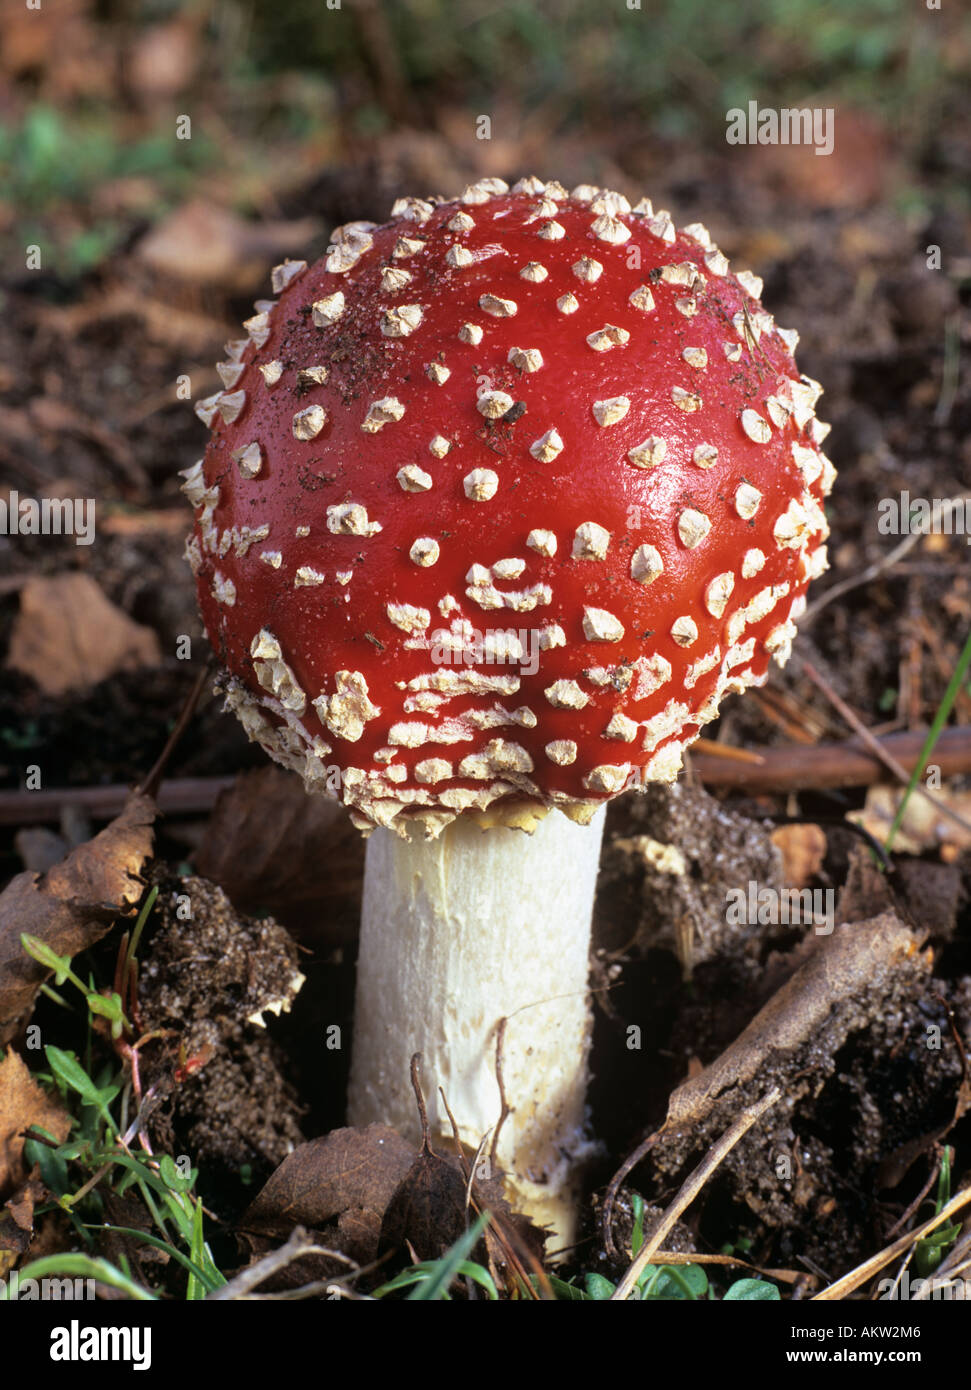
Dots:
{"x": 458, "y": 933}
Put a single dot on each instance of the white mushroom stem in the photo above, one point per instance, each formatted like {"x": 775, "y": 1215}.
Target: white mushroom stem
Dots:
{"x": 458, "y": 933}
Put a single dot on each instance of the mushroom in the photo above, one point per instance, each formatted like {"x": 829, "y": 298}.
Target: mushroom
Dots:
{"x": 502, "y": 498}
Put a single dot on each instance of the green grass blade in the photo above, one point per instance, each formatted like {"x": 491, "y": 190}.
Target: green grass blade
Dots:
{"x": 940, "y": 719}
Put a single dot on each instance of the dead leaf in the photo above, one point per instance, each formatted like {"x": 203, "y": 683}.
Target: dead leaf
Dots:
{"x": 69, "y": 636}
{"x": 803, "y": 849}
{"x": 206, "y": 244}
{"x": 72, "y": 905}
{"x": 23, "y": 1103}
{"x": 338, "y": 1186}
{"x": 923, "y": 827}
{"x": 164, "y": 57}
{"x": 269, "y": 844}
{"x": 428, "y": 1209}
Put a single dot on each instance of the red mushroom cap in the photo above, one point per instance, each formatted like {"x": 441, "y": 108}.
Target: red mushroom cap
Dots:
{"x": 502, "y": 497}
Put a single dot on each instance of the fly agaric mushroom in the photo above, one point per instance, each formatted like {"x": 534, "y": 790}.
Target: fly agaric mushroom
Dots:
{"x": 502, "y": 497}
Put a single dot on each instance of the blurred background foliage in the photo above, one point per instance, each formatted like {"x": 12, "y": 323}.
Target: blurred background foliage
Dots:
{"x": 90, "y": 91}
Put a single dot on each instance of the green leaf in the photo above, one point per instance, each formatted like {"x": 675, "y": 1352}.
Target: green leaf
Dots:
{"x": 752, "y": 1291}
{"x": 449, "y": 1266}
{"x": 673, "y": 1283}
{"x": 568, "y": 1292}
{"x": 68, "y": 1069}
{"x": 195, "y": 1270}
{"x": 637, "y": 1232}
{"x": 170, "y": 1175}
{"x": 87, "y": 1267}
{"x": 42, "y": 953}
{"x": 933, "y": 734}
{"x": 598, "y": 1287}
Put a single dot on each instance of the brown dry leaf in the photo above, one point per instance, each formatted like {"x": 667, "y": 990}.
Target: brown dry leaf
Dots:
{"x": 69, "y": 636}
{"x": 23, "y": 1103}
{"x": 428, "y": 1209}
{"x": 269, "y": 844}
{"x": 803, "y": 849}
{"x": 72, "y": 905}
{"x": 164, "y": 57}
{"x": 205, "y": 244}
{"x": 924, "y": 827}
{"x": 339, "y": 1186}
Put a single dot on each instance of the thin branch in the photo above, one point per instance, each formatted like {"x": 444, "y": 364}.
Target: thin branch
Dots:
{"x": 692, "y": 1186}
{"x": 889, "y": 762}
{"x": 865, "y": 1272}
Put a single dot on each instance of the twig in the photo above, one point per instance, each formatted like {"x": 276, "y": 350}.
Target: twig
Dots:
{"x": 867, "y": 576}
{"x": 877, "y": 749}
{"x": 504, "y": 1110}
{"x": 878, "y": 567}
{"x": 298, "y": 1245}
{"x": 692, "y": 1186}
{"x": 149, "y": 784}
{"x": 822, "y": 766}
